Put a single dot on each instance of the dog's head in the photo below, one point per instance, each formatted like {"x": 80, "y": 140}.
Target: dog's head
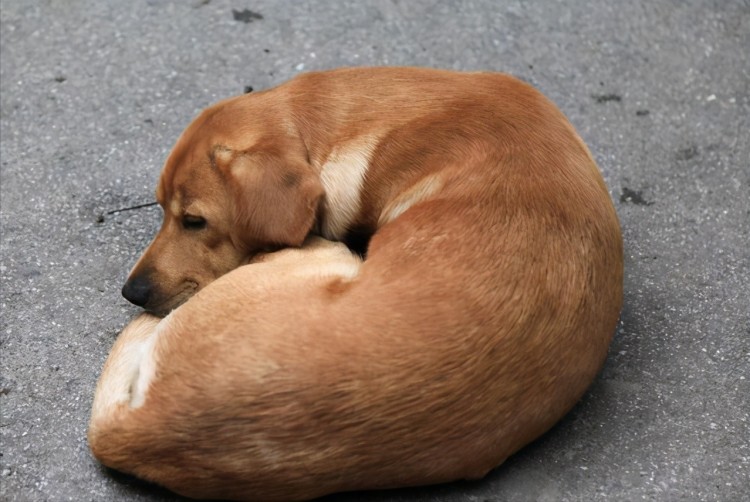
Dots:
{"x": 229, "y": 189}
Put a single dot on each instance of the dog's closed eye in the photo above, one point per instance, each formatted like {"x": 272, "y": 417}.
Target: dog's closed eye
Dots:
{"x": 190, "y": 222}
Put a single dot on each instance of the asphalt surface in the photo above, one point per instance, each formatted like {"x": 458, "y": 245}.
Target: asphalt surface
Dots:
{"x": 94, "y": 93}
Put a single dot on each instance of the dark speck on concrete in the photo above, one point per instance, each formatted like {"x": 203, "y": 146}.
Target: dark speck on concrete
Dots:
{"x": 149, "y": 122}
{"x": 604, "y": 98}
{"x": 29, "y": 271}
{"x": 642, "y": 113}
{"x": 248, "y": 89}
{"x": 634, "y": 197}
{"x": 246, "y": 15}
{"x": 60, "y": 79}
{"x": 6, "y": 386}
{"x": 687, "y": 153}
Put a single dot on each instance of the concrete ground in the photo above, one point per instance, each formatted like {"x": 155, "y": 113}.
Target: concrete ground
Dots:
{"x": 94, "y": 93}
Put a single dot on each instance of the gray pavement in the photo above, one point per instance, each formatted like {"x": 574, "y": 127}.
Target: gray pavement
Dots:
{"x": 94, "y": 93}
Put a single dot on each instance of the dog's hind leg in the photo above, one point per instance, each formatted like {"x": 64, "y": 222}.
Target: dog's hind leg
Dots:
{"x": 123, "y": 382}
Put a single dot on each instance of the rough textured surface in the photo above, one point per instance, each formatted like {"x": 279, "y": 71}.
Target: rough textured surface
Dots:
{"x": 94, "y": 93}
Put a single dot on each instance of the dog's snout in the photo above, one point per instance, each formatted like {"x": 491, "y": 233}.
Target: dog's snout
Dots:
{"x": 137, "y": 290}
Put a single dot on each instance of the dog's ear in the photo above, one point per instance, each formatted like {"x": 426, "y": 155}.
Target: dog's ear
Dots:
{"x": 275, "y": 198}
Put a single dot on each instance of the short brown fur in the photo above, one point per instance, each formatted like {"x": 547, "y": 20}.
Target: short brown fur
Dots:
{"x": 482, "y": 312}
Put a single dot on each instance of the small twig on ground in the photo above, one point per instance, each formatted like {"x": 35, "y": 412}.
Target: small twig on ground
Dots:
{"x": 139, "y": 206}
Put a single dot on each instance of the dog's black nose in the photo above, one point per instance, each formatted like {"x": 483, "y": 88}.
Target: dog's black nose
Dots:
{"x": 137, "y": 290}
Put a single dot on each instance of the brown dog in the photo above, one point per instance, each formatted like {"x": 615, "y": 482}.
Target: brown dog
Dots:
{"x": 483, "y": 311}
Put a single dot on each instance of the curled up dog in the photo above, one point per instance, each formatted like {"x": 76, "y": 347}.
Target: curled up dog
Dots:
{"x": 291, "y": 367}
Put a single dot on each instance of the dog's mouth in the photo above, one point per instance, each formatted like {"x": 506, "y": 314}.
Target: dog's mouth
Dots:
{"x": 164, "y": 307}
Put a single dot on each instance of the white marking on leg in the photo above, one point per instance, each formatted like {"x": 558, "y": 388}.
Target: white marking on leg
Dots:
{"x": 342, "y": 177}
{"x": 415, "y": 194}
{"x": 122, "y": 366}
{"x": 146, "y": 370}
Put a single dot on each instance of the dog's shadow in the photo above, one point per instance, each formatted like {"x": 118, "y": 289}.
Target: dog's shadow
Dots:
{"x": 133, "y": 488}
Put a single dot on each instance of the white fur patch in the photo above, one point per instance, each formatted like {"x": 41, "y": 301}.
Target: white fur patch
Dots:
{"x": 122, "y": 368}
{"x": 416, "y": 193}
{"x": 347, "y": 268}
{"x": 342, "y": 177}
{"x": 147, "y": 367}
